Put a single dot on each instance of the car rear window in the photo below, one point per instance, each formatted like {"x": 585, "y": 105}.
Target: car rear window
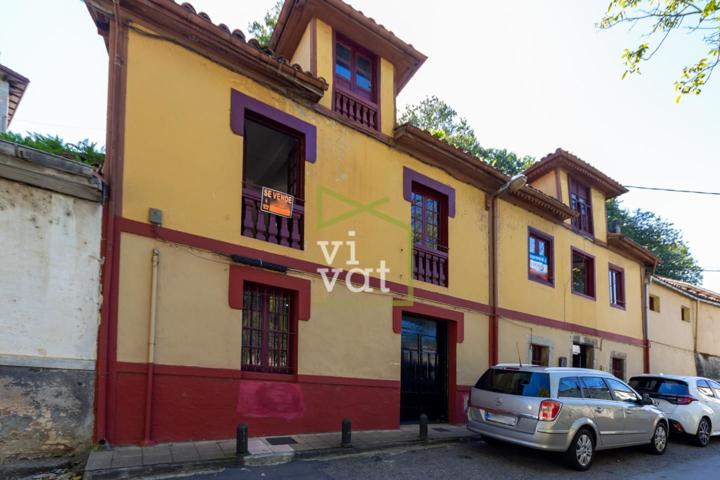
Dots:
{"x": 515, "y": 382}
{"x": 661, "y": 386}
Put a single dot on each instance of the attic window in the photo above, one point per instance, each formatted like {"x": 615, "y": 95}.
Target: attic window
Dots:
{"x": 355, "y": 69}
{"x": 580, "y": 202}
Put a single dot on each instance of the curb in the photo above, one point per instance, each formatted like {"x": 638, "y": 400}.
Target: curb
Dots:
{"x": 257, "y": 460}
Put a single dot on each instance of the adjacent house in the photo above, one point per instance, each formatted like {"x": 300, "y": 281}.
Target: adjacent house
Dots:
{"x": 684, "y": 328}
{"x": 50, "y": 224}
{"x": 280, "y": 253}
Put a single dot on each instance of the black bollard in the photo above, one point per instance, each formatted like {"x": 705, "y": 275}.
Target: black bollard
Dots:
{"x": 346, "y": 432}
{"x": 241, "y": 445}
{"x": 423, "y": 427}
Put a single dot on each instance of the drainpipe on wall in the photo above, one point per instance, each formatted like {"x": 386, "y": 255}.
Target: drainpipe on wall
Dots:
{"x": 645, "y": 280}
{"x": 514, "y": 184}
{"x": 147, "y": 438}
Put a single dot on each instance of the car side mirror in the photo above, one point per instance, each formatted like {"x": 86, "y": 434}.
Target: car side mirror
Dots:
{"x": 646, "y": 400}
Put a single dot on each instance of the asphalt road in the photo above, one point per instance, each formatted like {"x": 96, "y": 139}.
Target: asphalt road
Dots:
{"x": 480, "y": 460}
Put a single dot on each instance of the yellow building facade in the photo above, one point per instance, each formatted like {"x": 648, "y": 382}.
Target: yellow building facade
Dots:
{"x": 280, "y": 253}
{"x": 683, "y": 328}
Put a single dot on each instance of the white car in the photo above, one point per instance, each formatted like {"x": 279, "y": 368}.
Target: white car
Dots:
{"x": 691, "y": 403}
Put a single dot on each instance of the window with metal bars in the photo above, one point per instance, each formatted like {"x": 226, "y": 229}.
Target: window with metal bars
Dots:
{"x": 267, "y": 329}
{"x": 580, "y": 201}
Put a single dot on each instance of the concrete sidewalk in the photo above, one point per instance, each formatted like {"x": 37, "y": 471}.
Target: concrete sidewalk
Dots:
{"x": 134, "y": 461}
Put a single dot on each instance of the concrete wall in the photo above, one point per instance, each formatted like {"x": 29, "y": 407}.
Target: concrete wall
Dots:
{"x": 671, "y": 339}
{"x": 49, "y": 301}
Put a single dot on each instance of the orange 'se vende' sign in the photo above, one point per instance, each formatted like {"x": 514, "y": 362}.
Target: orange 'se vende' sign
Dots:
{"x": 277, "y": 202}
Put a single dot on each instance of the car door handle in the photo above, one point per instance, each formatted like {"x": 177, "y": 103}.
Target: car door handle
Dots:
{"x": 628, "y": 411}
{"x": 598, "y": 409}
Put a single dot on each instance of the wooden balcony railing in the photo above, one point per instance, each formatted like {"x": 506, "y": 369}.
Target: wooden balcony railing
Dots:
{"x": 355, "y": 109}
{"x": 430, "y": 265}
{"x": 271, "y": 228}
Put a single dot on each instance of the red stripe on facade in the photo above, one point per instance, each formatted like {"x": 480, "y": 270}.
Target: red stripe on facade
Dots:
{"x": 226, "y": 248}
{"x": 570, "y": 327}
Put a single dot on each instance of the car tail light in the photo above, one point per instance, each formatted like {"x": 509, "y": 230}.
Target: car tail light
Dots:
{"x": 685, "y": 400}
{"x": 549, "y": 410}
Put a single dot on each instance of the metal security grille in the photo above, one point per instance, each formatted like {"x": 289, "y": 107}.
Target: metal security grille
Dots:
{"x": 267, "y": 323}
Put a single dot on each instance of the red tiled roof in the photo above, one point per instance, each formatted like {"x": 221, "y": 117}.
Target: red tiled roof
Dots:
{"x": 295, "y": 15}
{"x": 577, "y": 167}
{"x": 690, "y": 289}
{"x": 195, "y": 30}
{"x": 18, "y": 84}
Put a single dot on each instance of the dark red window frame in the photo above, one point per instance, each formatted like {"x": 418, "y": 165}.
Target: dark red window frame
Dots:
{"x": 268, "y": 329}
{"x": 537, "y": 352}
{"x": 616, "y": 287}
{"x": 351, "y": 85}
{"x": 618, "y": 367}
{"x": 589, "y": 275}
{"x": 581, "y": 202}
{"x": 539, "y": 236}
{"x": 428, "y": 208}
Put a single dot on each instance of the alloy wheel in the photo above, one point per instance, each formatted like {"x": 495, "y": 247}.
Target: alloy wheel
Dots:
{"x": 660, "y": 438}
{"x": 704, "y": 432}
{"x": 584, "y": 450}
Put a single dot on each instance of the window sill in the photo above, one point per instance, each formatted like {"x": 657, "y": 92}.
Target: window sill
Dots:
{"x": 268, "y": 376}
{"x": 547, "y": 283}
{"x": 584, "y": 295}
{"x": 618, "y": 306}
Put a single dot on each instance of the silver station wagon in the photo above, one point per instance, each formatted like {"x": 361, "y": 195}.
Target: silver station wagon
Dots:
{"x": 571, "y": 410}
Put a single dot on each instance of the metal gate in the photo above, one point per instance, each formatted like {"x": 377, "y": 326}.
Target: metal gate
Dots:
{"x": 423, "y": 369}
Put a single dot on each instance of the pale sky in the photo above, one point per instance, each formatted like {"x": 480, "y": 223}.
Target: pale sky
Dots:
{"x": 529, "y": 75}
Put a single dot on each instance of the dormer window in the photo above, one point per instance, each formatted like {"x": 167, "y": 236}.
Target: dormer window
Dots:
{"x": 581, "y": 203}
{"x": 354, "y": 69}
{"x": 356, "y": 83}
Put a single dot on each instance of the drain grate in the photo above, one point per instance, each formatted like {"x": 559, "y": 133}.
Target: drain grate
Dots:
{"x": 281, "y": 441}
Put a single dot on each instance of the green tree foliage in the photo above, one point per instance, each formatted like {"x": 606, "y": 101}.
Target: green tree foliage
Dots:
{"x": 262, "y": 31}
{"x": 661, "y": 238}
{"x": 83, "y": 151}
{"x": 662, "y": 17}
{"x": 441, "y": 120}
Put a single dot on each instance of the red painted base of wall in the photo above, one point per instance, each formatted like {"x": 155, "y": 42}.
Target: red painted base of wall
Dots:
{"x": 191, "y": 403}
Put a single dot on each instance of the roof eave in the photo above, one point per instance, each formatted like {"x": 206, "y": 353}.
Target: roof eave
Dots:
{"x": 564, "y": 159}
{"x": 195, "y": 31}
{"x": 628, "y": 247}
{"x": 294, "y": 17}
{"x": 472, "y": 170}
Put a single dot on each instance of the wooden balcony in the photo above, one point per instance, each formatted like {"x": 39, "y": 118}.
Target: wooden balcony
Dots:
{"x": 430, "y": 265}
{"x": 355, "y": 109}
{"x": 271, "y": 228}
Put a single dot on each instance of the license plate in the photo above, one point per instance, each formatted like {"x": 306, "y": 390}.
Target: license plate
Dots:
{"x": 504, "y": 419}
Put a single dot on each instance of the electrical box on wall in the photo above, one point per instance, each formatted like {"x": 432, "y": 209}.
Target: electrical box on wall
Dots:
{"x": 155, "y": 216}
{"x": 562, "y": 362}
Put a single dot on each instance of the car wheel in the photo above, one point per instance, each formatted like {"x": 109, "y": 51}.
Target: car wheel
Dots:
{"x": 582, "y": 450}
{"x": 702, "y": 438}
{"x": 658, "y": 442}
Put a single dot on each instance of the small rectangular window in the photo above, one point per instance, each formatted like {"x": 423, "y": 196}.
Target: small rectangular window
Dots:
{"x": 540, "y": 355}
{"x": 618, "y": 368}
{"x": 540, "y": 257}
{"x": 685, "y": 314}
{"x": 583, "y": 274}
{"x": 654, "y": 303}
{"x": 580, "y": 201}
{"x": 267, "y": 329}
{"x": 355, "y": 69}
{"x": 617, "y": 286}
